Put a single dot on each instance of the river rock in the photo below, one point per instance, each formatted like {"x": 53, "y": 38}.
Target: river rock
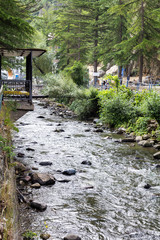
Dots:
{"x": 69, "y": 172}
{"x": 147, "y": 186}
{"x": 96, "y": 120}
{"x": 98, "y": 130}
{"x": 45, "y": 236}
{"x": 87, "y": 130}
{"x": 43, "y": 179}
{"x": 86, "y": 162}
{"x": 121, "y": 131}
{"x": 26, "y": 179}
{"x": 30, "y": 149}
{"x": 157, "y": 155}
{"x": 35, "y": 185}
{"x": 146, "y": 143}
{"x": 40, "y": 117}
{"x": 21, "y": 155}
{"x": 158, "y": 166}
{"x": 71, "y": 237}
{"x": 157, "y": 146}
{"x": 146, "y": 136}
{"x": 45, "y": 163}
{"x": 139, "y": 138}
{"x": 40, "y": 207}
{"x": 128, "y": 140}
{"x": 20, "y": 167}
{"x": 34, "y": 168}
{"x": 59, "y": 130}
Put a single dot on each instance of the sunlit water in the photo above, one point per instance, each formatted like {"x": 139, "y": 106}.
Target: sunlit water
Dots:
{"x": 117, "y": 207}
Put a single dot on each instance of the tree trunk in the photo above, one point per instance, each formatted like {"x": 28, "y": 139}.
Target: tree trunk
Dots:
{"x": 140, "y": 68}
{"x": 120, "y": 40}
{"x": 95, "y": 51}
{"x": 68, "y": 50}
{"x": 141, "y": 40}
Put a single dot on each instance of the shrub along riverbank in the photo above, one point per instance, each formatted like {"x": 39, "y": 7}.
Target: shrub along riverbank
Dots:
{"x": 117, "y": 107}
{"x": 8, "y": 209}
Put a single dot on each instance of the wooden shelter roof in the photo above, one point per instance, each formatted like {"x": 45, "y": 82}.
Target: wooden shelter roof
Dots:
{"x": 21, "y": 52}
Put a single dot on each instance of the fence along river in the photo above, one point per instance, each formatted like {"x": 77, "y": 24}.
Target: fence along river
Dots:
{"x": 104, "y": 201}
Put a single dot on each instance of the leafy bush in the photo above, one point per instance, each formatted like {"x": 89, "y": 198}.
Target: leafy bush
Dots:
{"x": 78, "y": 73}
{"x": 141, "y": 125}
{"x": 86, "y": 103}
{"x": 116, "y": 111}
{"x": 153, "y": 107}
{"x": 61, "y": 87}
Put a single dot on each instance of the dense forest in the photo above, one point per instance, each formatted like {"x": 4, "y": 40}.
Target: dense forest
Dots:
{"x": 93, "y": 32}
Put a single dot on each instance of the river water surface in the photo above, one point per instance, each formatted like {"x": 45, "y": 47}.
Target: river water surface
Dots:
{"x": 117, "y": 207}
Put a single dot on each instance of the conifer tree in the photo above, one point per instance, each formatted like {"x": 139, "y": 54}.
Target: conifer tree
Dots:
{"x": 15, "y": 30}
{"x": 143, "y": 30}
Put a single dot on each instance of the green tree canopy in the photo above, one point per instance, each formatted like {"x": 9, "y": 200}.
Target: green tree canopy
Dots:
{"x": 15, "y": 16}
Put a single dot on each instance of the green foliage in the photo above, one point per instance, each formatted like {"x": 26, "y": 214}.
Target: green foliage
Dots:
{"x": 86, "y": 103}
{"x": 78, "y": 73}
{"x": 29, "y": 235}
{"x": 116, "y": 111}
{"x": 153, "y": 107}
{"x": 15, "y": 30}
{"x": 140, "y": 126}
{"x": 61, "y": 87}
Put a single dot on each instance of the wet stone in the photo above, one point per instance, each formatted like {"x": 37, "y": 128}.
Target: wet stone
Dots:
{"x": 121, "y": 131}
{"x": 71, "y": 237}
{"x": 21, "y": 155}
{"x": 40, "y": 117}
{"x": 157, "y": 146}
{"x": 45, "y": 163}
{"x": 20, "y": 167}
{"x": 45, "y": 236}
{"x": 43, "y": 179}
{"x": 139, "y": 138}
{"x": 146, "y": 143}
{"x": 59, "y": 130}
{"x": 30, "y": 149}
{"x": 157, "y": 155}
{"x": 35, "y": 185}
{"x": 38, "y": 206}
{"x": 99, "y": 130}
{"x": 85, "y": 162}
{"x": 87, "y": 130}
{"x": 69, "y": 172}
{"x": 147, "y": 186}
{"x": 128, "y": 140}
{"x": 34, "y": 168}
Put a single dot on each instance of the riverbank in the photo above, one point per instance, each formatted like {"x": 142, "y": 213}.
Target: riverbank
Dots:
{"x": 8, "y": 197}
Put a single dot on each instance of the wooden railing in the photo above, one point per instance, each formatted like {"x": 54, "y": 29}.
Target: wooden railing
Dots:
{"x": 17, "y": 89}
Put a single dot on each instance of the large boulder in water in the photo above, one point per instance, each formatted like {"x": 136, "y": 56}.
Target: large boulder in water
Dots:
{"x": 43, "y": 179}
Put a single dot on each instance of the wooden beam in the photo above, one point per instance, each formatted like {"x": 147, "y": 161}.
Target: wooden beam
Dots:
{"x": 29, "y": 75}
{"x": 0, "y": 67}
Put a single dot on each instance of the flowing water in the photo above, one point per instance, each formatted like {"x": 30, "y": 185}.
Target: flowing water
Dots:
{"x": 104, "y": 201}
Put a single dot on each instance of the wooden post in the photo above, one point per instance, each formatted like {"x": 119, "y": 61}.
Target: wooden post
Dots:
{"x": 29, "y": 75}
{"x": 0, "y": 66}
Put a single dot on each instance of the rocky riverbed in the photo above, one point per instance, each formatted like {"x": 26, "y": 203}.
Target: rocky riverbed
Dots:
{"x": 79, "y": 181}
